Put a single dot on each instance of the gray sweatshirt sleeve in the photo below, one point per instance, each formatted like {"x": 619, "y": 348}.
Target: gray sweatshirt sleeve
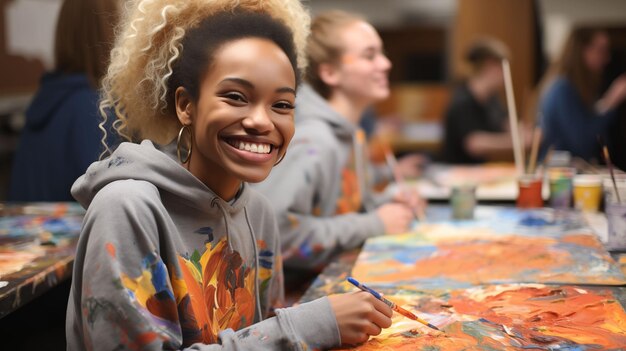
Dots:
{"x": 310, "y": 326}
{"x": 294, "y": 188}
{"x": 122, "y": 293}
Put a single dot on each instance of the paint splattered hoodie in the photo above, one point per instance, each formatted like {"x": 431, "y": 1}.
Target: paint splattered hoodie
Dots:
{"x": 164, "y": 263}
{"x": 315, "y": 190}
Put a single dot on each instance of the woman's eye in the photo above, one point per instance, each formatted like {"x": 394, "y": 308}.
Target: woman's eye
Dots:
{"x": 283, "y": 105}
{"x": 235, "y": 96}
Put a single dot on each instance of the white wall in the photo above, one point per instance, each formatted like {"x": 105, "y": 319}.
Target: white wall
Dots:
{"x": 389, "y": 13}
{"x": 30, "y": 27}
{"x": 559, "y": 16}
{"x": 30, "y": 23}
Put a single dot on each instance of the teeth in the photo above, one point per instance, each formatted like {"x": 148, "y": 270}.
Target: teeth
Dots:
{"x": 251, "y": 147}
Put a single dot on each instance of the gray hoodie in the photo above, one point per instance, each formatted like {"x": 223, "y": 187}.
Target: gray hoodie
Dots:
{"x": 311, "y": 190}
{"x": 164, "y": 263}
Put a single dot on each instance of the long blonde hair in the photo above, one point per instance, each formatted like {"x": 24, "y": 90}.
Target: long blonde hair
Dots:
{"x": 148, "y": 46}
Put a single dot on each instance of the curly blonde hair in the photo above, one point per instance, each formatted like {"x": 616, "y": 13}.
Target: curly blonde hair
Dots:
{"x": 147, "y": 47}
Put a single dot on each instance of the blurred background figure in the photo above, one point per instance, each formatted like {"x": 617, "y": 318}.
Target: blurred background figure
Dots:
{"x": 322, "y": 191}
{"x": 61, "y": 136}
{"x": 476, "y": 124}
{"x": 575, "y": 116}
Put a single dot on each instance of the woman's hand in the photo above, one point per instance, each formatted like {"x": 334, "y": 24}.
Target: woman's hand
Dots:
{"x": 396, "y": 217}
{"x": 613, "y": 96}
{"x": 359, "y": 315}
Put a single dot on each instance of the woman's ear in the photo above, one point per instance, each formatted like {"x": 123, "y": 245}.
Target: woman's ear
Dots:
{"x": 184, "y": 106}
{"x": 329, "y": 74}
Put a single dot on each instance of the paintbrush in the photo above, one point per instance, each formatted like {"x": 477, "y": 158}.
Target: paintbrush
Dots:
{"x": 546, "y": 158}
{"x": 392, "y": 163}
{"x": 609, "y": 164}
{"x": 391, "y": 304}
{"x": 510, "y": 99}
{"x": 359, "y": 142}
{"x": 533, "y": 150}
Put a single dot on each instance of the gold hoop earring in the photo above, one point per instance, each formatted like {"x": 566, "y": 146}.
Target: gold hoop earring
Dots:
{"x": 178, "y": 147}
{"x": 281, "y": 159}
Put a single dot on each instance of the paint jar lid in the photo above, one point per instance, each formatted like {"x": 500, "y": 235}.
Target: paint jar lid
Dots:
{"x": 561, "y": 172}
{"x": 529, "y": 178}
{"x": 588, "y": 180}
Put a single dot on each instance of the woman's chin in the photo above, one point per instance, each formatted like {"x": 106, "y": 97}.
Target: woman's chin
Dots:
{"x": 252, "y": 175}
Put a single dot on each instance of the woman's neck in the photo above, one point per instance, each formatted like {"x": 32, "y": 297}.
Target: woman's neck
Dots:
{"x": 222, "y": 184}
{"x": 349, "y": 109}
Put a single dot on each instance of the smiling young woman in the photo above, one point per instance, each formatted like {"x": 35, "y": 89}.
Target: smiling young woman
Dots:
{"x": 176, "y": 250}
{"x": 243, "y": 118}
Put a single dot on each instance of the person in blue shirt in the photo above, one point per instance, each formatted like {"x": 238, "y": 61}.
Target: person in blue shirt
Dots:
{"x": 61, "y": 136}
{"x": 574, "y": 116}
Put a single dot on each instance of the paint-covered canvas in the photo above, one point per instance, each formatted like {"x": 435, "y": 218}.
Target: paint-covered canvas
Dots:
{"x": 37, "y": 247}
{"x": 37, "y": 222}
{"x": 507, "y": 317}
{"x": 451, "y": 255}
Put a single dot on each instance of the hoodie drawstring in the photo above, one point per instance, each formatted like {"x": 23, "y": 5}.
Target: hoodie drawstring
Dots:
{"x": 256, "y": 271}
{"x": 215, "y": 202}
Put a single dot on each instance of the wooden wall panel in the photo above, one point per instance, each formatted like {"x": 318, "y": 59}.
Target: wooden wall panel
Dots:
{"x": 512, "y": 22}
{"x": 17, "y": 74}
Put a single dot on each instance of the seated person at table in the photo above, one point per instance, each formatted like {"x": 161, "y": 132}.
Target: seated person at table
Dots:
{"x": 476, "y": 124}
{"x": 61, "y": 135}
{"x": 321, "y": 185}
{"x": 176, "y": 250}
{"x": 575, "y": 116}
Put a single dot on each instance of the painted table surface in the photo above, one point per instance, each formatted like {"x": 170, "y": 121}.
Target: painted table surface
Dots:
{"x": 495, "y": 182}
{"x": 496, "y": 316}
{"x": 509, "y": 246}
{"x": 37, "y": 248}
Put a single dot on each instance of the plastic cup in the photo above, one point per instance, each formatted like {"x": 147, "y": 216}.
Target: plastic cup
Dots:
{"x": 616, "y": 218}
{"x": 609, "y": 188}
{"x": 615, "y": 210}
{"x": 529, "y": 191}
{"x": 561, "y": 186}
{"x": 587, "y": 192}
{"x": 463, "y": 201}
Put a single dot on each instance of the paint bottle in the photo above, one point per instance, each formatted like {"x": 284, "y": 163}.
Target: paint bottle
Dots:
{"x": 561, "y": 186}
{"x": 463, "y": 201}
{"x": 529, "y": 193}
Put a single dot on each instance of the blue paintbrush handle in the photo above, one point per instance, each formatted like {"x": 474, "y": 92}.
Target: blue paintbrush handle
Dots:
{"x": 371, "y": 291}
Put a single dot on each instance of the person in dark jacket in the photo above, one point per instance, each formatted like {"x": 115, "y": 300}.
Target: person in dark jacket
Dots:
{"x": 61, "y": 136}
{"x": 476, "y": 123}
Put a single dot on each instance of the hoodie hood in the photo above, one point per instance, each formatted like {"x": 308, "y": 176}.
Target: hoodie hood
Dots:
{"x": 55, "y": 88}
{"x": 157, "y": 166}
{"x": 312, "y": 106}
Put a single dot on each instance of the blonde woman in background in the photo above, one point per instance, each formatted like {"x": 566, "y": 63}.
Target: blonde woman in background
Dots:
{"x": 321, "y": 190}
